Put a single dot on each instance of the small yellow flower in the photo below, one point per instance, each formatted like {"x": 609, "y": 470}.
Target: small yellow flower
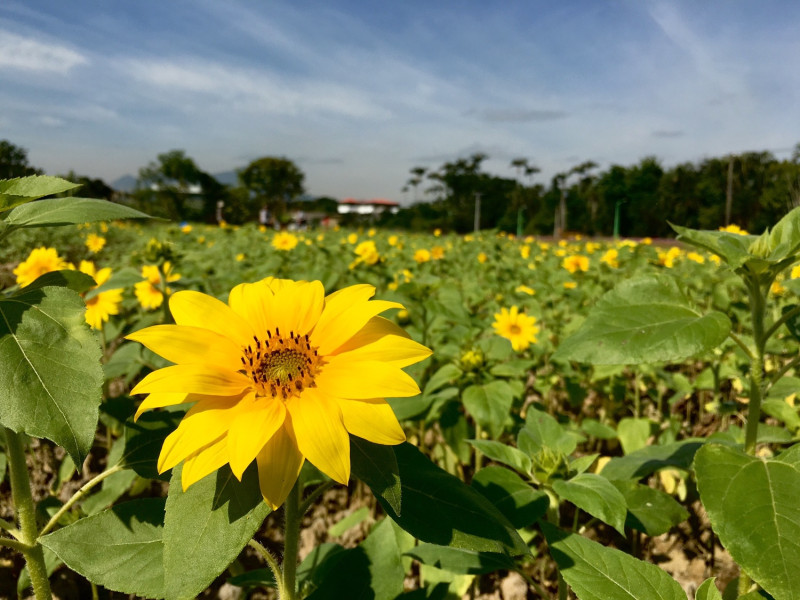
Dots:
{"x": 186, "y": 228}
{"x": 570, "y": 285}
{"x": 482, "y": 258}
{"x": 437, "y": 253}
{"x": 732, "y": 228}
{"x": 668, "y": 258}
{"x": 524, "y": 289}
{"x": 367, "y": 253}
{"x": 576, "y": 262}
{"x": 284, "y": 241}
{"x": 777, "y": 288}
{"x": 698, "y": 258}
{"x": 104, "y": 304}
{"x": 148, "y": 292}
{"x": 393, "y": 239}
{"x": 279, "y": 374}
{"x": 422, "y": 255}
{"x": 437, "y": 232}
{"x": 795, "y": 273}
{"x": 525, "y": 252}
{"x": 520, "y": 329}
{"x": 95, "y": 242}
{"x": 471, "y": 359}
{"x": 372, "y": 231}
{"x": 240, "y": 257}
{"x": 352, "y": 239}
{"x": 610, "y": 258}
{"x": 40, "y": 261}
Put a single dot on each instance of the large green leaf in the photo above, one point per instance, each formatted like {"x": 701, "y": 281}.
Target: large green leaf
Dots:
{"x": 598, "y": 573}
{"x": 68, "y": 211}
{"x": 376, "y": 465}
{"x": 650, "y": 459}
{"x": 753, "y": 507}
{"x": 458, "y": 560}
{"x": 597, "y": 496}
{"x": 207, "y": 526}
{"x": 644, "y": 320}
{"x": 650, "y": 510}
{"x": 143, "y": 441}
{"x": 730, "y": 247}
{"x": 508, "y": 455}
{"x": 14, "y": 192}
{"x": 544, "y": 431}
{"x": 489, "y": 405}
{"x": 441, "y": 509}
{"x": 516, "y": 499}
{"x": 708, "y": 591}
{"x": 50, "y": 383}
{"x": 120, "y": 548}
{"x": 372, "y": 571}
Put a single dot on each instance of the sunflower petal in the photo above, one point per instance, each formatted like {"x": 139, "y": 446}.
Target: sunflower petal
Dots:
{"x": 253, "y": 302}
{"x": 259, "y": 419}
{"x": 390, "y": 349}
{"x": 190, "y": 345}
{"x": 342, "y": 378}
{"x": 195, "y": 309}
{"x": 204, "y": 423}
{"x": 159, "y": 400}
{"x": 279, "y": 463}
{"x": 297, "y": 309}
{"x": 347, "y": 323}
{"x": 206, "y": 460}
{"x": 194, "y": 379}
{"x": 320, "y": 433}
{"x": 372, "y": 420}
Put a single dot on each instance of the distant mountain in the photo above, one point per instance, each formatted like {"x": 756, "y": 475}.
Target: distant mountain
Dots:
{"x": 126, "y": 183}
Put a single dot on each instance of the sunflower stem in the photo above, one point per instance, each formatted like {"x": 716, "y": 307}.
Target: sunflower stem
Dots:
{"x": 292, "y": 517}
{"x": 272, "y": 563}
{"x": 26, "y": 514}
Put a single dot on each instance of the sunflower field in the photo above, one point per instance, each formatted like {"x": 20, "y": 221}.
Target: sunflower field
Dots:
{"x": 210, "y": 411}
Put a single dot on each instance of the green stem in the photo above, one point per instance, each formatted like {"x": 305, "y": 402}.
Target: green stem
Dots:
{"x": 741, "y": 344}
{"x": 273, "y": 565}
{"x": 757, "y": 299}
{"x": 312, "y": 497}
{"x": 26, "y": 514}
{"x": 291, "y": 536}
{"x": 78, "y": 495}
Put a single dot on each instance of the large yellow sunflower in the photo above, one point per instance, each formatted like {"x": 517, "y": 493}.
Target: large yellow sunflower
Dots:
{"x": 148, "y": 292}
{"x": 279, "y": 374}
{"x": 104, "y": 304}
{"x": 40, "y": 261}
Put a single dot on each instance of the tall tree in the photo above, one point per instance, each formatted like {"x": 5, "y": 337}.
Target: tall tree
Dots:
{"x": 272, "y": 182}
{"x": 167, "y": 183}
{"x": 14, "y": 161}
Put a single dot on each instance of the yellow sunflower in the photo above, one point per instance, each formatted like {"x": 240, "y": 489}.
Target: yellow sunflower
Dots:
{"x": 95, "y": 242}
{"x": 100, "y": 306}
{"x": 284, "y": 241}
{"x": 576, "y": 262}
{"x": 279, "y": 374}
{"x": 40, "y": 261}
{"x": 518, "y": 328}
{"x": 422, "y": 255}
{"x": 148, "y": 292}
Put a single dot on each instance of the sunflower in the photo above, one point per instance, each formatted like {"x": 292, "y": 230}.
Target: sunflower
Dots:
{"x": 576, "y": 262}
{"x": 284, "y": 241}
{"x": 40, "y": 261}
{"x": 422, "y": 255}
{"x": 518, "y": 328}
{"x": 279, "y": 374}
{"x": 148, "y": 292}
{"x": 104, "y": 304}
{"x": 95, "y": 242}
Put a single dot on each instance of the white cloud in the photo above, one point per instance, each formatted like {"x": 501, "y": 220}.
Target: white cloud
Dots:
{"x": 19, "y": 52}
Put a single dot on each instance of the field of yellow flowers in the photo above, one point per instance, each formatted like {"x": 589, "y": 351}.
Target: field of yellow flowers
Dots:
{"x": 496, "y": 361}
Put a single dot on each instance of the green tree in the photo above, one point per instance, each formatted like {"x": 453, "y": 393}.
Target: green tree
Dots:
{"x": 272, "y": 182}
{"x": 14, "y": 161}
{"x": 175, "y": 187}
{"x": 90, "y": 188}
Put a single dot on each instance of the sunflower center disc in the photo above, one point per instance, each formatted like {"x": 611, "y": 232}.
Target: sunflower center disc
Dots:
{"x": 281, "y": 366}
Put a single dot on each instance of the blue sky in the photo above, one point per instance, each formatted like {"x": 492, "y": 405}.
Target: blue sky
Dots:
{"x": 359, "y": 92}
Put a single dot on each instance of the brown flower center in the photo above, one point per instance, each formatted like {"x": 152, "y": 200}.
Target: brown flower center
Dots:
{"x": 281, "y": 366}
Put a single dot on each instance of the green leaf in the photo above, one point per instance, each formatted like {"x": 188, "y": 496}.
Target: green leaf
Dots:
{"x": 120, "y": 548}
{"x": 517, "y": 500}
{"x": 597, "y": 496}
{"x": 74, "y": 280}
{"x": 650, "y": 510}
{"x": 14, "y": 192}
{"x": 633, "y": 434}
{"x": 207, "y": 526}
{"x": 598, "y": 430}
{"x": 595, "y": 572}
{"x": 348, "y": 522}
{"x": 793, "y": 323}
{"x": 50, "y": 383}
{"x": 753, "y": 508}
{"x": 442, "y": 377}
{"x": 373, "y": 570}
{"x": 123, "y": 278}
{"x": 489, "y": 405}
{"x": 69, "y": 211}
{"x": 543, "y": 431}
{"x": 441, "y": 509}
{"x": 508, "y": 455}
{"x": 708, "y": 591}
{"x": 376, "y": 465}
{"x": 652, "y": 458}
{"x": 730, "y": 247}
{"x": 457, "y": 560}
{"x": 143, "y": 441}
{"x": 644, "y": 320}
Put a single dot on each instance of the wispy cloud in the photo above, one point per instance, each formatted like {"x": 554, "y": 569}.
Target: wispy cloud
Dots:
{"x": 518, "y": 115}
{"x": 667, "y": 133}
{"x": 19, "y": 52}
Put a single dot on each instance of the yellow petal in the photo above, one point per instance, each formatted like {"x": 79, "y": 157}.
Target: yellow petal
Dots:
{"x": 338, "y": 302}
{"x": 205, "y": 422}
{"x": 195, "y": 309}
{"x": 253, "y": 302}
{"x": 159, "y": 401}
{"x": 206, "y": 460}
{"x": 372, "y": 420}
{"x": 343, "y": 378}
{"x": 187, "y": 345}
{"x": 297, "y": 309}
{"x": 390, "y": 349}
{"x": 320, "y": 433}
{"x": 258, "y": 420}
{"x": 279, "y": 463}
{"x": 329, "y": 335}
{"x": 194, "y": 379}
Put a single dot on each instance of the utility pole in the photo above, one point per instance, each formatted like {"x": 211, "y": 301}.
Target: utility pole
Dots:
{"x": 477, "y": 211}
{"x": 729, "y": 193}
